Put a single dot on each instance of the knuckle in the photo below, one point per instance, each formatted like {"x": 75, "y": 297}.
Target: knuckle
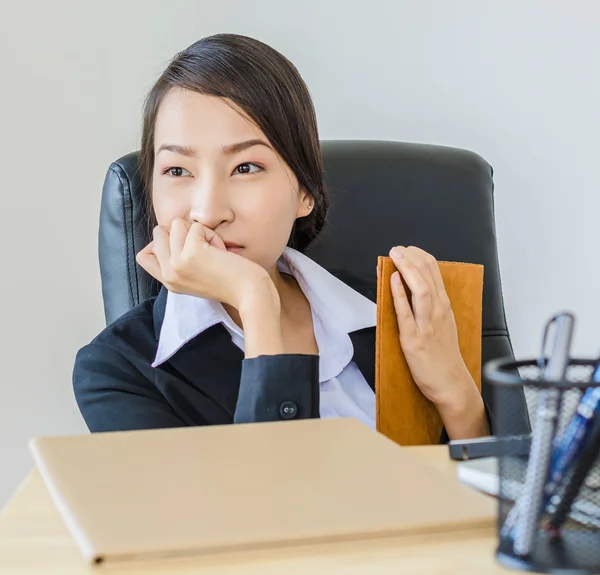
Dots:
{"x": 403, "y": 312}
{"x": 414, "y": 346}
{"x": 422, "y": 292}
{"x": 438, "y": 314}
{"x": 176, "y": 264}
{"x": 170, "y": 276}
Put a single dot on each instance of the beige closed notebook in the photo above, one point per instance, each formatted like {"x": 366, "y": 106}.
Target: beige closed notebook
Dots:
{"x": 212, "y": 489}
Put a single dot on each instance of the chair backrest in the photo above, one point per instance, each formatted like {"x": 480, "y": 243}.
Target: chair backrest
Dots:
{"x": 383, "y": 194}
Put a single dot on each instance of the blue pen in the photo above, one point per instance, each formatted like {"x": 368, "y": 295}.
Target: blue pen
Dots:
{"x": 573, "y": 439}
{"x": 581, "y": 468}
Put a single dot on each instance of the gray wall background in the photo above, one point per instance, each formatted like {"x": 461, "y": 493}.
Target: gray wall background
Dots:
{"x": 515, "y": 80}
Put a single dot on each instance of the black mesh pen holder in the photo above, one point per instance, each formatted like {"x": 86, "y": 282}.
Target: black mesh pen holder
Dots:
{"x": 528, "y": 535}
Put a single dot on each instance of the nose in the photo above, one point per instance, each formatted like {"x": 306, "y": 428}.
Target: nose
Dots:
{"x": 210, "y": 205}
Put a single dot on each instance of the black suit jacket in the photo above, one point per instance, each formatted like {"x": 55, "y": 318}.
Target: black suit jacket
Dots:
{"x": 207, "y": 382}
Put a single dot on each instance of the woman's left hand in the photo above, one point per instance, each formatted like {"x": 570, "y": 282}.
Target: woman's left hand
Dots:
{"x": 428, "y": 334}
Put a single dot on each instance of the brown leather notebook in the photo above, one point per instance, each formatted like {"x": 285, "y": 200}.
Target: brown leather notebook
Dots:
{"x": 404, "y": 414}
{"x": 210, "y": 489}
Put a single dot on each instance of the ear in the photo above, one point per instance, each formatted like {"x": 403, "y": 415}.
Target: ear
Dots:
{"x": 306, "y": 204}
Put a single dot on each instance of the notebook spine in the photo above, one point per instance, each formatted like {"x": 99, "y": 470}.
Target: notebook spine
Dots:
{"x": 378, "y": 344}
{"x": 59, "y": 497}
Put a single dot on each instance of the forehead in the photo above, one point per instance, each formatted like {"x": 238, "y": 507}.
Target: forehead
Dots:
{"x": 189, "y": 118}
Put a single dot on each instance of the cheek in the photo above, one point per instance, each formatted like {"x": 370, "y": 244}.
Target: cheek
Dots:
{"x": 270, "y": 205}
{"x": 167, "y": 207}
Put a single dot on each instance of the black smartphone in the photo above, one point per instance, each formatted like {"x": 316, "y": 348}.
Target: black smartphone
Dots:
{"x": 489, "y": 446}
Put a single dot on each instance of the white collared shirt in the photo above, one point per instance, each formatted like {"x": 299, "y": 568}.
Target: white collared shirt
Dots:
{"x": 337, "y": 310}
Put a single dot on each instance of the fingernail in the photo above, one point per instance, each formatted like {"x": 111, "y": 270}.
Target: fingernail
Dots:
{"x": 396, "y": 278}
{"x": 396, "y": 253}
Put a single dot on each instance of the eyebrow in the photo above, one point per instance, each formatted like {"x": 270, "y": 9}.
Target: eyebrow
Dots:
{"x": 191, "y": 152}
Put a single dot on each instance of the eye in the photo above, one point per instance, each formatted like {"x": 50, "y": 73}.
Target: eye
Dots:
{"x": 176, "y": 172}
{"x": 247, "y": 168}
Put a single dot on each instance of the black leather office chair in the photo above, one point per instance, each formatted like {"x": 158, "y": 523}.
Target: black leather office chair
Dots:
{"x": 383, "y": 194}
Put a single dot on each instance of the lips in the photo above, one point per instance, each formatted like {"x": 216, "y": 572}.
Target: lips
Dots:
{"x": 232, "y": 247}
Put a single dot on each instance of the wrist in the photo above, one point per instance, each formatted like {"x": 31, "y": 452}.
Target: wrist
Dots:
{"x": 463, "y": 410}
{"x": 260, "y": 313}
{"x": 453, "y": 389}
{"x": 259, "y": 295}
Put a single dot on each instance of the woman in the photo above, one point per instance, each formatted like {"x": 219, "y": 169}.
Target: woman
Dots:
{"x": 248, "y": 328}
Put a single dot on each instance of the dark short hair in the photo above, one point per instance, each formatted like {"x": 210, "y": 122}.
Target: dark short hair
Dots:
{"x": 268, "y": 88}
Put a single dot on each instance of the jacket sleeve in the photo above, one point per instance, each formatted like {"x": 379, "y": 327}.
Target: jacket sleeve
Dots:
{"x": 275, "y": 387}
{"x": 113, "y": 395}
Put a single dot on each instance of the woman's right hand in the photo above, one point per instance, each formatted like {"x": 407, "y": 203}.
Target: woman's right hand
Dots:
{"x": 192, "y": 259}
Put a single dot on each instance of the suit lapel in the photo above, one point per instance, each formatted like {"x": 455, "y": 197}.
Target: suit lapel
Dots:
{"x": 364, "y": 353}
{"x": 210, "y": 362}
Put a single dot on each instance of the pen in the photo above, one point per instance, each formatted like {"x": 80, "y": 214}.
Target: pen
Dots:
{"x": 573, "y": 439}
{"x": 587, "y": 458}
{"x": 513, "y": 516}
{"x": 531, "y": 500}
{"x": 586, "y": 422}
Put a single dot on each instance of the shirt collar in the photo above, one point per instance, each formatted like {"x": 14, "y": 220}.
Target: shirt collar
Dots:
{"x": 333, "y": 303}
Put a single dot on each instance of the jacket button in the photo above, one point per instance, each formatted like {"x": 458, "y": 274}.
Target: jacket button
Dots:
{"x": 288, "y": 410}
